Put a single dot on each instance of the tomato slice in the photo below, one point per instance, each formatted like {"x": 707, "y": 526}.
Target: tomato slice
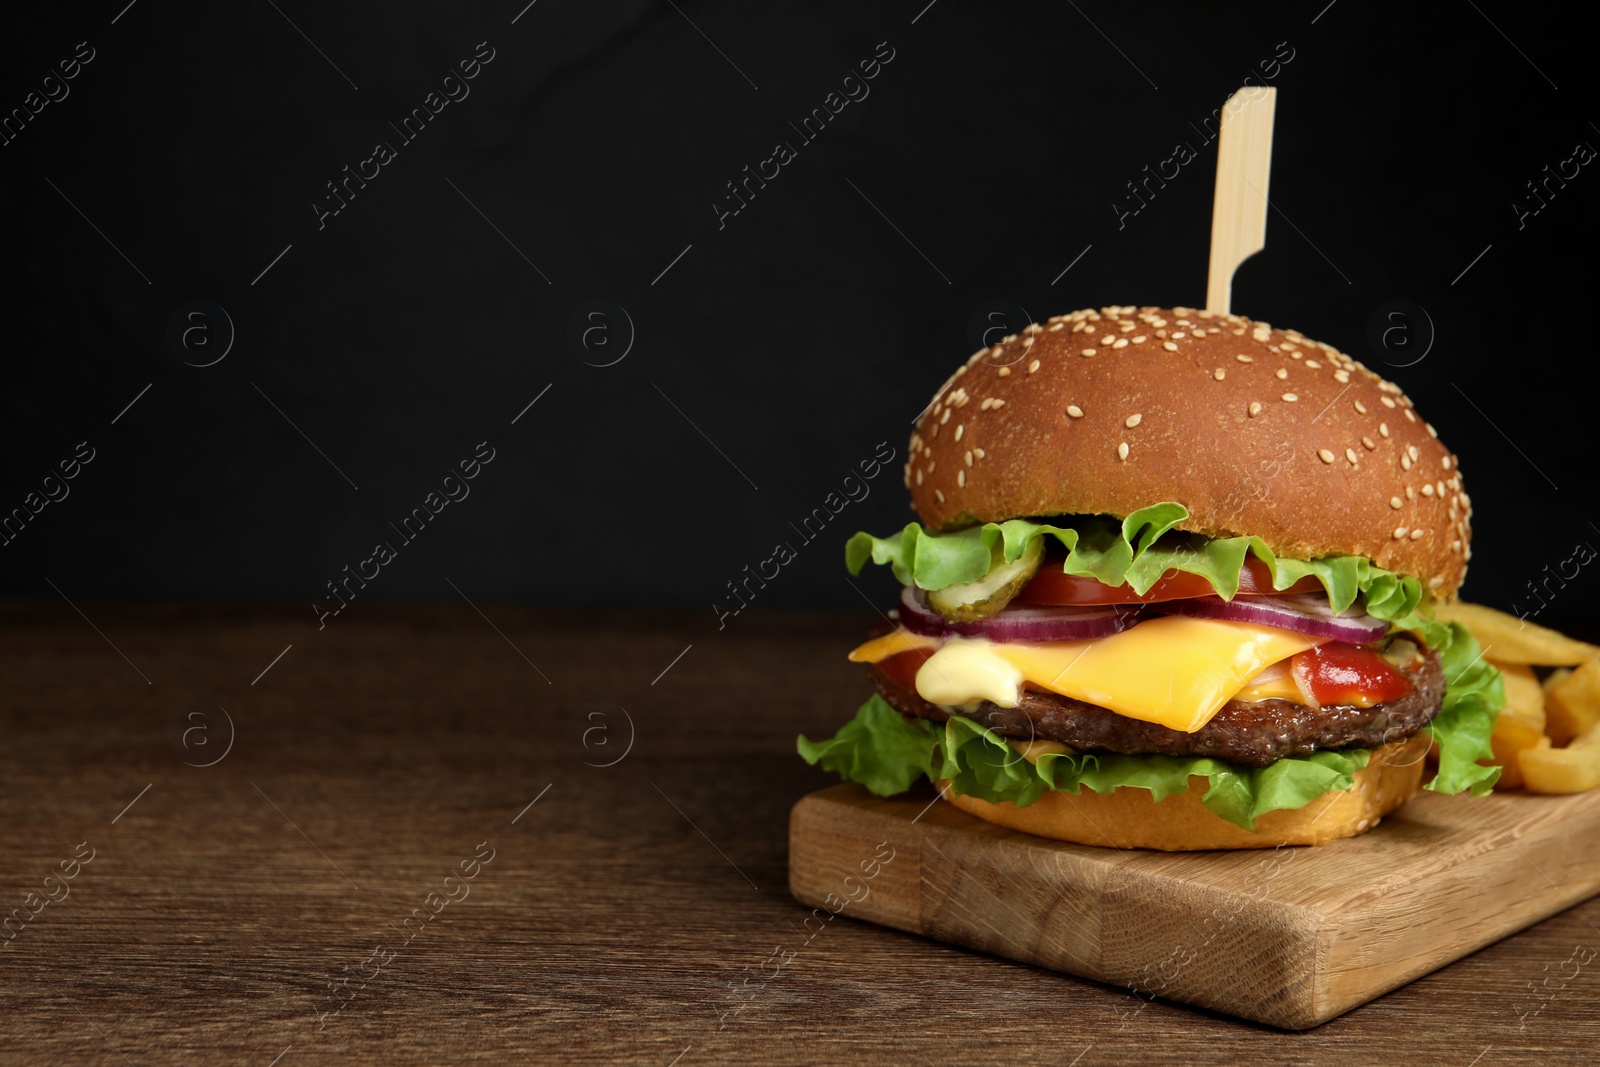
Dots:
{"x": 1340, "y": 673}
{"x": 1052, "y": 586}
{"x": 902, "y": 667}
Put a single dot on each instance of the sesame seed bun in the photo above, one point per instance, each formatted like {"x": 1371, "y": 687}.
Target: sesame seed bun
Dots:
{"x": 1125, "y": 817}
{"x": 1255, "y": 430}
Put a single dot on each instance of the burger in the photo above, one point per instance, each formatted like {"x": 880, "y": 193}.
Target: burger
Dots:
{"x": 1172, "y": 587}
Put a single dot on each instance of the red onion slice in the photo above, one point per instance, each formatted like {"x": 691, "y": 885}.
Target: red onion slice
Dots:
{"x": 1306, "y": 613}
{"x": 1020, "y": 624}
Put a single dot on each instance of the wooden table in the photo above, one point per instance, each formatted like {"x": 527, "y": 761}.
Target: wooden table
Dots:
{"x": 636, "y": 912}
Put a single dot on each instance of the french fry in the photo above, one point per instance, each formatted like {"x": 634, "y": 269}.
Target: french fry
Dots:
{"x": 1572, "y": 706}
{"x": 1508, "y": 639}
{"x": 1556, "y": 677}
{"x": 1562, "y": 770}
{"x": 1511, "y": 740}
{"x": 1520, "y": 725}
{"x": 1524, "y": 696}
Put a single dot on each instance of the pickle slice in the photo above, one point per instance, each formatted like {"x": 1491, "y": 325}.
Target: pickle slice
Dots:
{"x": 971, "y": 601}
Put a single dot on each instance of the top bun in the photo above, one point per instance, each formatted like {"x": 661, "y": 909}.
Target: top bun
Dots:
{"x": 1255, "y": 430}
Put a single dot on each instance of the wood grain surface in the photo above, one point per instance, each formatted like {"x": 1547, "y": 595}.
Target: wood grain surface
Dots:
{"x": 637, "y": 913}
{"x": 1327, "y": 929}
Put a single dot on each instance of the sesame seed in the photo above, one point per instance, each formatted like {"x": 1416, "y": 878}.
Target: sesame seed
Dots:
{"x": 1075, "y": 411}
{"x": 996, "y": 351}
{"x": 1005, "y": 372}
{"x": 945, "y": 417}
{"x": 979, "y": 453}
{"x": 1033, "y": 327}
{"x": 998, "y": 404}
{"x": 1445, "y": 463}
{"x": 1281, "y": 373}
{"x": 960, "y": 429}
{"x": 961, "y": 479}
{"x": 939, "y": 495}
{"x": 919, "y": 477}
{"x": 1178, "y": 336}
{"x": 1435, "y": 582}
{"x": 1386, "y": 402}
{"x": 1198, "y": 332}
{"x": 1313, "y": 364}
{"x": 1410, "y": 416}
{"x": 1057, "y": 326}
{"x": 1455, "y": 546}
{"x": 1440, "y": 487}
{"x": 1411, "y": 450}
{"x": 1350, "y": 454}
{"x": 1366, "y": 442}
{"x": 932, "y": 463}
{"x": 1122, "y": 450}
{"x": 1416, "y": 535}
{"x": 1219, "y": 374}
{"x": 1033, "y": 366}
{"x": 1291, "y": 397}
{"x": 1326, "y": 456}
{"x": 1255, "y": 408}
{"x": 1108, "y": 338}
{"x": 1132, "y": 420}
{"x": 1242, "y": 358}
{"x": 1396, "y": 503}
{"x": 1383, "y": 428}
{"x": 1411, "y": 494}
{"x": 1122, "y": 342}
{"x": 1431, "y": 431}
{"x": 1427, "y": 490}
{"x": 1087, "y": 352}
{"x": 1405, "y": 463}
{"x": 1169, "y": 346}
{"x": 1342, "y": 377}
{"x": 1399, "y": 533}
{"x": 1141, "y": 339}
{"x": 969, "y": 457}
{"x": 1361, "y": 409}
{"x": 1027, "y": 342}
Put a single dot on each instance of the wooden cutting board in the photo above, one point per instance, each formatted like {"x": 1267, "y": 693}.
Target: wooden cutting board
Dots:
{"x": 1291, "y": 937}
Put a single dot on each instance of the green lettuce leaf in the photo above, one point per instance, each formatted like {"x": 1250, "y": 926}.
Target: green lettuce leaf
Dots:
{"x": 876, "y": 750}
{"x": 1138, "y": 551}
{"x": 886, "y": 752}
{"x": 1474, "y": 694}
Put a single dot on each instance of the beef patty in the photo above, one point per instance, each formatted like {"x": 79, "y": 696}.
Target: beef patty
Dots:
{"x": 1254, "y": 733}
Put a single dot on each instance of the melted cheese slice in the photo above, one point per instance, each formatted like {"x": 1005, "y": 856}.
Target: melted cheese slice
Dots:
{"x": 1176, "y": 671}
{"x": 1274, "y": 683}
{"x": 891, "y": 644}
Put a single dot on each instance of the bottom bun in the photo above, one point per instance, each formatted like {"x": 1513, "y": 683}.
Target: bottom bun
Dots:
{"x": 1127, "y": 818}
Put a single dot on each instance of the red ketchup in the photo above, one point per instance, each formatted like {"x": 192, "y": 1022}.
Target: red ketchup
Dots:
{"x": 1338, "y": 673}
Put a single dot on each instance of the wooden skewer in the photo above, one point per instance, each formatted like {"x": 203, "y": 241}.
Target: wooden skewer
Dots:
{"x": 1239, "y": 207}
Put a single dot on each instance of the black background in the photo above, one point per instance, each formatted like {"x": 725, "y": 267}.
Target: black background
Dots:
{"x": 796, "y": 336}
